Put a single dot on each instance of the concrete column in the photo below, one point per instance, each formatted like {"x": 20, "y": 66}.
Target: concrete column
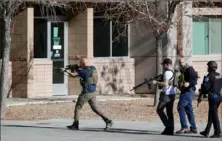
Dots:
{"x": 30, "y": 52}
{"x": 80, "y": 42}
{"x": 90, "y": 32}
{"x": 21, "y": 52}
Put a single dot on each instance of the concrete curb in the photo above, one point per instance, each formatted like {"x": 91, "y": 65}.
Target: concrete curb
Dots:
{"x": 34, "y": 103}
{"x": 20, "y": 103}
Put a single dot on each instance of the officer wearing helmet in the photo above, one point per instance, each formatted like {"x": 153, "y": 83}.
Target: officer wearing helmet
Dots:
{"x": 212, "y": 85}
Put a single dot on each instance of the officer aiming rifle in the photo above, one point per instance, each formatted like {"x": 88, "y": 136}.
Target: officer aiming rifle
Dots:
{"x": 88, "y": 80}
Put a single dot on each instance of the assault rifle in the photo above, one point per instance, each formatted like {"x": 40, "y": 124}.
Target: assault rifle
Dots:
{"x": 70, "y": 67}
{"x": 148, "y": 82}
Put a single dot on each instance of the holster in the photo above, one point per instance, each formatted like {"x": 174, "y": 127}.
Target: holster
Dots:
{"x": 165, "y": 98}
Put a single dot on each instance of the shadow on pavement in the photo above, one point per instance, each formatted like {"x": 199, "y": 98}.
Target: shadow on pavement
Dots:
{"x": 112, "y": 130}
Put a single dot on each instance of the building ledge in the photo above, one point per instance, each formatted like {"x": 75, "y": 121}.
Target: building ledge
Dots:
{"x": 200, "y": 58}
{"x": 42, "y": 61}
{"x": 206, "y": 11}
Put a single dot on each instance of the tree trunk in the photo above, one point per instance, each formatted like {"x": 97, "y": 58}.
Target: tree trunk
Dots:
{"x": 4, "y": 87}
{"x": 158, "y": 65}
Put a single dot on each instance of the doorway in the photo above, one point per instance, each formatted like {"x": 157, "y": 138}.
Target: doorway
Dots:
{"x": 57, "y": 52}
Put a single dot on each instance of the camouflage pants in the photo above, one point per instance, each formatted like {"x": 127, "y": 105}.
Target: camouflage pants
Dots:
{"x": 91, "y": 99}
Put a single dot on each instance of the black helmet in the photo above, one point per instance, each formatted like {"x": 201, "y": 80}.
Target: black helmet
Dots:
{"x": 212, "y": 65}
{"x": 167, "y": 61}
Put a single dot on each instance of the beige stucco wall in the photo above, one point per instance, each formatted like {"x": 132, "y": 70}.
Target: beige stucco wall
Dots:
{"x": 143, "y": 50}
{"x": 200, "y": 64}
{"x": 41, "y": 85}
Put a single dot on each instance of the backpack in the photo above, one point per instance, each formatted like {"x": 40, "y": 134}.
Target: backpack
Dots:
{"x": 195, "y": 75}
{"x": 93, "y": 79}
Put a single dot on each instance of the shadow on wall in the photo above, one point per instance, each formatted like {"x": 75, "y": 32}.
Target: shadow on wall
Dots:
{"x": 115, "y": 75}
{"x": 143, "y": 49}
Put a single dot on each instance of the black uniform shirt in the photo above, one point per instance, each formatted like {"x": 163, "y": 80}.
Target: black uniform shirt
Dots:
{"x": 212, "y": 83}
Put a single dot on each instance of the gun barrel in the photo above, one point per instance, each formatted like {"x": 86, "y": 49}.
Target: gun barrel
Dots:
{"x": 146, "y": 81}
{"x": 138, "y": 86}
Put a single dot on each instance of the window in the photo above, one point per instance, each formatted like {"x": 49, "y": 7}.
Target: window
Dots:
{"x": 40, "y": 38}
{"x": 207, "y": 35}
{"x": 110, "y": 40}
{"x": 1, "y": 36}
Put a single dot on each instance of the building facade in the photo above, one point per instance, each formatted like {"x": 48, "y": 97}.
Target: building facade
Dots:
{"x": 41, "y": 44}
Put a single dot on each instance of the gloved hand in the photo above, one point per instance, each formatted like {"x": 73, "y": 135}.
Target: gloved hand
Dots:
{"x": 154, "y": 81}
{"x": 62, "y": 69}
{"x": 186, "y": 84}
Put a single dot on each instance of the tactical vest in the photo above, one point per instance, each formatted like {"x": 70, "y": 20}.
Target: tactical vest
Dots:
{"x": 92, "y": 79}
{"x": 216, "y": 83}
{"x": 171, "y": 81}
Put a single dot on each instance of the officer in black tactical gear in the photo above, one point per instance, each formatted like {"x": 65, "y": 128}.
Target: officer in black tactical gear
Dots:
{"x": 212, "y": 85}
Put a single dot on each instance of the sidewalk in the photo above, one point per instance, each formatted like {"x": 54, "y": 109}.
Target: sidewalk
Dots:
{"x": 62, "y": 99}
{"x": 92, "y": 130}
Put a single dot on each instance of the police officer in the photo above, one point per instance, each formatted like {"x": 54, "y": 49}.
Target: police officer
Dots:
{"x": 88, "y": 80}
{"x": 167, "y": 97}
{"x": 187, "y": 88}
{"x": 212, "y": 85}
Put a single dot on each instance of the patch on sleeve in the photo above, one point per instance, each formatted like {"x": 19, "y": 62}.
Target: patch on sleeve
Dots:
{"x": 206, "y": 79}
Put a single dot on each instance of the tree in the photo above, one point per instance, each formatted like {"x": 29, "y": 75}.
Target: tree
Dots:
{"x": 7, "y": 8}
{"x": 157, "y": 14}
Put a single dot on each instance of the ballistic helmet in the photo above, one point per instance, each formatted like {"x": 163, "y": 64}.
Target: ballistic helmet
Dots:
{"x": 212, "y": 65}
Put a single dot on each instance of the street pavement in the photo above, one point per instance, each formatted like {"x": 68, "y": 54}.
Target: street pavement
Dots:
{"x": 91, "y": 130}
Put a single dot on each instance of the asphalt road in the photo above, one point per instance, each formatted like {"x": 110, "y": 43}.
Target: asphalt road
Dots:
{"x": 55, "y": 130}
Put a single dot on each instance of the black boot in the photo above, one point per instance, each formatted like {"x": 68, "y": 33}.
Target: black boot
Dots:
{"x": 74, "y": 126}
{"x": 215, "y": 136}
{"x": 109, "y": 123}
{"x": 203, "y": 133}
{"x": 168, "y": 131}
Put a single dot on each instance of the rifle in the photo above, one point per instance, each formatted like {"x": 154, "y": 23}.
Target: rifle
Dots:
{"x": 147, "y": 81}
{"x": 72, "y": 67}
{"x": 69, "y": 67}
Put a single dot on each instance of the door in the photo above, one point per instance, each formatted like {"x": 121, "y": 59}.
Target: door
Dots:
{"x": 57, "y": 48}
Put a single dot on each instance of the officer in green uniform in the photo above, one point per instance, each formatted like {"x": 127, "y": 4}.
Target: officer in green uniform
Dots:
{"x": 88, "y": 79}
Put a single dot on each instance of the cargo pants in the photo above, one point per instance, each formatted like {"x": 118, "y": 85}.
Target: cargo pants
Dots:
{"x": 91, "y": 99}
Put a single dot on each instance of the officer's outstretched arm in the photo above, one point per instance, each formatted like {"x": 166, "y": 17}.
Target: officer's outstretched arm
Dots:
{"x": 73, "y": 74}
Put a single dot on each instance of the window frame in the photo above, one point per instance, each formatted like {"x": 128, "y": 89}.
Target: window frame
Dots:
{"x": 210, "y": 37}
{"x": 110, "y": 42}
